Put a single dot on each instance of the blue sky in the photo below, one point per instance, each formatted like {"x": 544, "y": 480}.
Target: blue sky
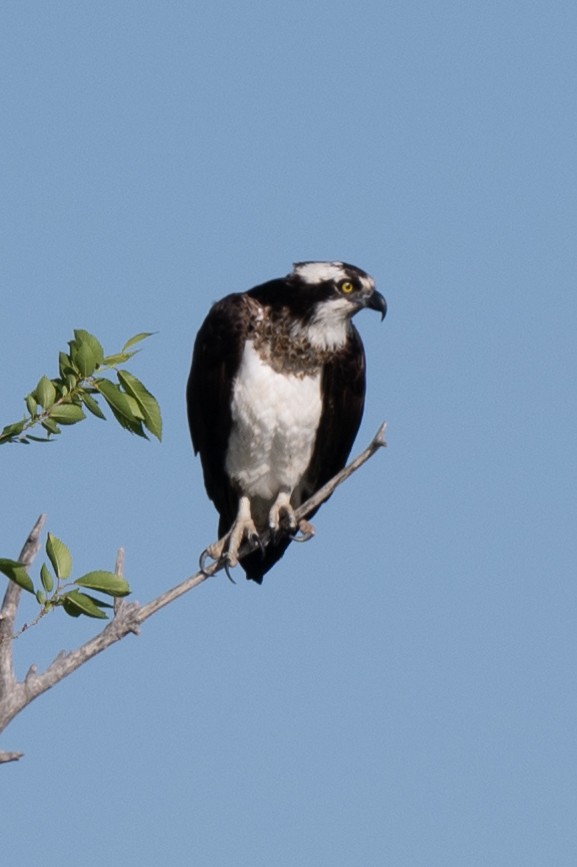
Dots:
{"x": 401, "y": 690}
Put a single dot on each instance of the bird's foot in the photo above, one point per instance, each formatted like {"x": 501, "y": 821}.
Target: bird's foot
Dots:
{"x": 281, "y": 518}
{"x": 225, "y": 550}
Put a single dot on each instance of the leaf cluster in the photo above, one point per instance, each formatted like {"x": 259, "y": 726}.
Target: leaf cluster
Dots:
{"x": 54, "y": 592}
{"x": 64, "y": 399}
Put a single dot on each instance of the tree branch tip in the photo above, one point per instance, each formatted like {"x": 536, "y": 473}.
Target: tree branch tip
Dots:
{"x": 119, "y": 568}
{"x": 59, "y": 658}
{"x": 37, "y": 528}
{"x": 31, "y": 672}
{"x": 379, "y": 438}
{"x": 10, "y": 757}
{"x": 32, "y": 544}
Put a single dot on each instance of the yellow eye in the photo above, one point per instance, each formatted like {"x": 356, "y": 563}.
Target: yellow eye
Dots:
{"x": 347, "y": 287}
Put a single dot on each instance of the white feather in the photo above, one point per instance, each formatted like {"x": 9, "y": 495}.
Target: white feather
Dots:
{"x": 320, "y": 272}
{"x": 328, "y": 327}
{"x": 275, "y": 420}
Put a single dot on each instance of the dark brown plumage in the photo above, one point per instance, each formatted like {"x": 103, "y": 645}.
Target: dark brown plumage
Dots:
{"x": 279, "y": 320}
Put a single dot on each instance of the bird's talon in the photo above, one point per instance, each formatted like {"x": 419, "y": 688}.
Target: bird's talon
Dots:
{"x": 219, "y": 558}
{"x": 286, "y": 520}
{"x": 226, "y": 565}
{"x": 256, "y": 541}
{"x": 305, "y": 532}
{"x": 202, "y": 562}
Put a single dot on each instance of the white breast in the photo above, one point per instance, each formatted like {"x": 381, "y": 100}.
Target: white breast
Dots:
{"x": 275, "y": 420}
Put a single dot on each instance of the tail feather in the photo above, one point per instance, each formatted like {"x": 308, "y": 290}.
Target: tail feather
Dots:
{"x": 256, "y": 564}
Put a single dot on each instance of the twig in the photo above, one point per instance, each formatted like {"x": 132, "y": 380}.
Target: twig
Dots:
{"x": 9, "y": 757}
{"x": 10, "y": 607}
{"x": 128, "y": 616}
{"x": 305, "y": 509}
{"x": 12, "y": 595}
{"x": 377, "y": 442}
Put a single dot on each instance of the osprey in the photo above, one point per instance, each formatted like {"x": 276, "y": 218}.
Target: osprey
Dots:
{"x": 275, "y": 399}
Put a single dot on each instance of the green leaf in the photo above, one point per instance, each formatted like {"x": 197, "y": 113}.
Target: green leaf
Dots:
{"x": 133, "y": 426}
{"x": 86, "y": 353}
{"x": 91, "y": 405}
{"x": 124, "y": 407}
{"x": 46, "y": 578}
{"x": 64, "y": 364}
{"x": 59, "y": 556}
{"x": 31, "y": 404}
{"x": 16, "y": 572}
{"x": 99, "y": 602}
{"x": 119, "y": 358}
{"x": 83, "y": 358}
{"x": 45, "y": 393}
{"x": 12, "y": 430}
{"x": 146, "y": 401}
{"x": 40, "y": 596}
{"x": 76, "y": 603}
{"x": 66, "y": 413}
{"x": 50, "y": 425}
{"x": 85, "y": 338}
{"x": 137, "y": 338}
{"x": 69, "y": 607}
{"x": 117, "y": 399}
{"x": 106, "y": 582}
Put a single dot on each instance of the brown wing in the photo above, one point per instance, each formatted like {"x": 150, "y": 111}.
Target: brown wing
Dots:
{"x": 217, "y": 352}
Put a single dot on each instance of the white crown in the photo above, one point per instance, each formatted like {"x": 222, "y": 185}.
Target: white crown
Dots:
{"x": 319, "y": 272}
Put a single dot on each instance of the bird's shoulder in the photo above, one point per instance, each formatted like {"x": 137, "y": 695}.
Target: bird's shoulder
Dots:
{"x": 232, "y": 316}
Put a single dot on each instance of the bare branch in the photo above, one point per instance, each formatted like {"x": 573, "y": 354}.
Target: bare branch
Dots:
{"x": 9, "y": 687}
{"x": 10, "y": 607}
{"x": 128, "y": 616}
{"x": 305, "y": 509}
{"x": 27, "y": 555}
{"x": 9, "y": 757}
{"x": 377, "y": 442}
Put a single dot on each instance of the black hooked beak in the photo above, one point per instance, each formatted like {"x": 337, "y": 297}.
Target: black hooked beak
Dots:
{"x": 376, "y": 301}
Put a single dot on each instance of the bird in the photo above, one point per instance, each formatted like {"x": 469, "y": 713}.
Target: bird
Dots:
{"x": 275, "y": 397}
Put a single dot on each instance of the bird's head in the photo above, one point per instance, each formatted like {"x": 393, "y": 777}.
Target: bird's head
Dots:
{"x": 335, "y": 291}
